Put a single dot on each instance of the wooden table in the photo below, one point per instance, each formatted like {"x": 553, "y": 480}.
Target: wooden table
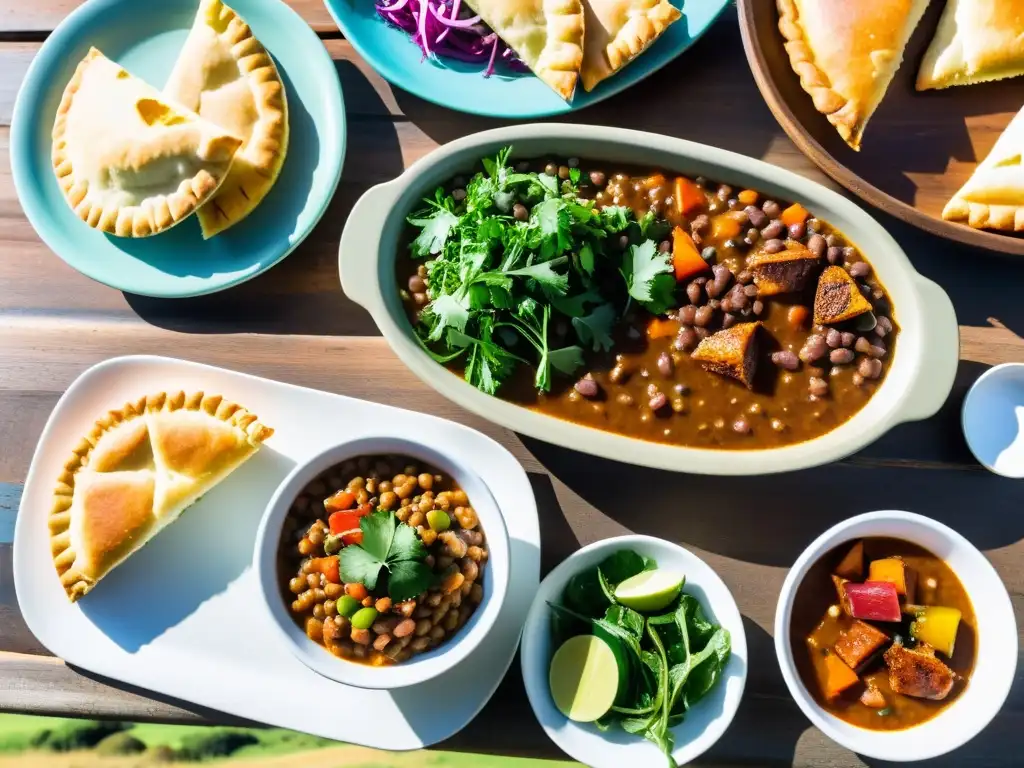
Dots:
{"x": 293, "y": 324}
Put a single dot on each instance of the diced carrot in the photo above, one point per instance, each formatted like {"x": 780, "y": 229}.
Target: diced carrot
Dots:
{"x": 329, "y": 568}
{"x": 688, "y": 196}
{"x": 686, "y": 259}
{"x": 365, "y": 509}
{"x": 660, "y": 328}
{"x": 838, "y": 677}
{"x": 340, "y": 500}
{"x": 724, "y": 227}
{"x": 852, "y": 565}
{"x": 654, "y": 180}
{"x": 747, "y": 197}
{"x": 893, "y": 570}
{"x": 356, "y": 591}
{"x": 354, "y": 536}
{"x": 797, "y": 316}
{"x": 795, "y": 214}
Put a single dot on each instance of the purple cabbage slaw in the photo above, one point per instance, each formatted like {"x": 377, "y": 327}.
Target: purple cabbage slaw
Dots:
{"x": 449, "y": 29}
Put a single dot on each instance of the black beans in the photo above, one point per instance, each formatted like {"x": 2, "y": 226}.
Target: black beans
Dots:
{"x": 860, "y": 269}
{"x": 817, "y": 387}
{"x": 797, "y": 230}
{"x": 587, "y": 387}
{"x": 686, "y": 340}
{"x": 420, "y": 298}
{"x": 700, "y": 224}
{"x": 758, "y": 307}
{"x": 813, "y": 225}
{"x": 658, "y": 401}
{"x": 757, "y": 216}
{"x": 870, "y": 368}
{"x": 520, "y": 212}
{"x": 623, "y": 242}
{"x": 834, "y": 338}
{"x": 459, "y": 194}
{"x": 688, "y": 313}
{"x": 816, "y": 244}
{"x": 665, "y": 364}
{"x": 774, "y": 230}
{"x": 750, "y": 290}
{"x": 786, "y": 359}
{"x": 693, "y": 293}
{"x": 833, "y": 240}
{"x": 551, "y": 169}
{"x": 709, "y": 254}
{"x": 597, "y": 178}
{"x": 741, "y": 426}
{"x": 849, "y": 253}
{"x": 417, "y": 284}
{"x": 774, "y": 246}
{"x": 877, "y": 349}
{"x": 702, "y": 333}
{"x": 714, "y": 303}
{"x": 771, "y": 209}
{"x": 729, "y": 320}
{"x": 563, "y": 172}
{"x": 863, "y": 346}
{"x": 883, "y": 326}
{"x": 704, "y": 316}
{"x": 665, "y": 246}
{"x": 722, "y": 277}
{"x": 746, "y": 277}
{"x": 814, "y": 348}
{"x": 752, "y": 236}
{"x": 848, "y": 339}
{"x": 834, "y": 255}
{"x": 841, "y": 356}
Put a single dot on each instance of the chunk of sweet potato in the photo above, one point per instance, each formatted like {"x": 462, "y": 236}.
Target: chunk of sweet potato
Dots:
{"x": 731, "y": 352}
{"x": 858, "y": 644}
{"x": 838, "y": 298}
{"x": 852, "y": 565}
{"x": 839, "y": 678}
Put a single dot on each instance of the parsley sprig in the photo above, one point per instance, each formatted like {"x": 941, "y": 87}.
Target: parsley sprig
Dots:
{"x": 391, "y": 546}
{"x": 498, "y": 284}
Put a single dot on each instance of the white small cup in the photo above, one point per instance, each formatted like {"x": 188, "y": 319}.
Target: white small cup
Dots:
{"x": 993, "y": 419}
{"x": 996, "y": 652}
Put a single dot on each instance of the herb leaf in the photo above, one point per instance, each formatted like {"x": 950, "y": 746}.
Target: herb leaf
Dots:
{"x": 408, "y": 578}
{"x": 649, "y": 277}
{"x": 595, "y": 329}
{"x": 406, "y": 546}
{"x": 436, "y": 229}
{"x": 391, "y": 545}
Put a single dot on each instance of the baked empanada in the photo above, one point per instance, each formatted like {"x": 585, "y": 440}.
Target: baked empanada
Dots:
{"x": 131, "y": 162}
{"x": 226, "y": 76}
{"x": 617, "y": 31}
{"x": 993, "y": 198}
{"x": 846, "y": 53}
{"x": 977, "y": 41}
{"x": 547, "y": 35}
{"x": 136, "y": 471}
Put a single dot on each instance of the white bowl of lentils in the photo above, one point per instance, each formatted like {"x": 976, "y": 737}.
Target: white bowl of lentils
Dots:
{"x": 382, "y": 562}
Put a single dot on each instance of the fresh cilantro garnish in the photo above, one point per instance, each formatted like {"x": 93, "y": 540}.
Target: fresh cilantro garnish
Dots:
{"x": 501, "y": 283}
{"x": 649, "y": 277}
{"x": 392, "y": 546}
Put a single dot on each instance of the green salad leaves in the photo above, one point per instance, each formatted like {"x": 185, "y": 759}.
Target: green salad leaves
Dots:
{"x": 500, "y": 282}
{"x": 392, "y": 546}
{"x": 667, "y": 662}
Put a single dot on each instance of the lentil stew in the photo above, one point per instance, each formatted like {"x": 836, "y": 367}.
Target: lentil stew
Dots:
{"x": 883, "y": 634}
{"x": 647, "y": 303}
{"x": 366, "y": 620}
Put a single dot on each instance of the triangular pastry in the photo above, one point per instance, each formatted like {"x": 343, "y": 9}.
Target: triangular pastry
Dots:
{"x": 993, "y": 198}
{"x": 846, "y": 52}
{"x": 225, "y": 75}
{"x": 547, "y": 35}
{"x": 977, "y": 41}
{"x": 617, "y": 31}
{"x": 129, "y": 161}
{"x": 136, "y": 471}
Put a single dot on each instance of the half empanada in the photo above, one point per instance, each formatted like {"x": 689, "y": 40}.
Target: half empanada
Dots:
{"x": 136, "y": 471}
{"x": 129, "y": 161}
{"x": 846, "y": 53}
{"x": 977, "y": 41}
{"x": 225, "y": 75}
{"x": 993, "y": 198}
{"x": 618, "y": 31}
{"x": 547, "y": 35}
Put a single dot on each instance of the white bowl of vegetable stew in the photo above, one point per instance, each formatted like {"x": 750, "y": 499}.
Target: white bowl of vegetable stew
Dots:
{"x": 620, "y": 593}
{"x": 649, "y": 299}
{"x": 382, "y": 562}
{"x": 896, "y": 636}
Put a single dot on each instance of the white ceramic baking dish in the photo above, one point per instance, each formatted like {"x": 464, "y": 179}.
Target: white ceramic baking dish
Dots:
{"x": 916, "y": 385}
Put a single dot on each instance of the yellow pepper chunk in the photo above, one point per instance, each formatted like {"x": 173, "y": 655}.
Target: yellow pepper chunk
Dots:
{"x": 893, "y": 570}
{"x": 937, "y": 626}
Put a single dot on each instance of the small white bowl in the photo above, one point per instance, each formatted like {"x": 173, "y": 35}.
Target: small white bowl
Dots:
{"x": 996, "y": 652}
{"x": 993, "y": 419}
{"x": 704, "y": 724}
{"x": 423, "y": 666}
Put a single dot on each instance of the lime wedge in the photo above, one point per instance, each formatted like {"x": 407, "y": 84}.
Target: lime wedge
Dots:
{"x": 650, "y": 590}
{"x": 584, "y": 678}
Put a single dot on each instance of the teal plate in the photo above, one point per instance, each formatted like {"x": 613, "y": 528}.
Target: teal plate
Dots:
{"x": 145, "y": 38}
{"x": 463, "y": 87}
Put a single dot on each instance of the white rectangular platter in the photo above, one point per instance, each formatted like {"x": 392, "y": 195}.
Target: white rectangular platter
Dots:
{"x": 183, "y": 616}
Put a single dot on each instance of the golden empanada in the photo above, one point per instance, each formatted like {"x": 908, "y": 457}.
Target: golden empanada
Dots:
{"x": 617, "y": 31}
{"x": 977, "y": 41}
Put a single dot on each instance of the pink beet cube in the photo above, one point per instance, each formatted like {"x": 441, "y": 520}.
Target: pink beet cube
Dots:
{"x": 873, "y": 601}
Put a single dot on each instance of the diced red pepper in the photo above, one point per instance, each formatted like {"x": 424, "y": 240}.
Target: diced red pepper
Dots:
{"x": 873, "y": 601}
{"x": 346, "y": 520}
{"x": 355, "y": 536}
{"x": 340, "y": 500}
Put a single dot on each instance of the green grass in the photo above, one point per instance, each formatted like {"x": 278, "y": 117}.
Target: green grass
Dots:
{"x": 16, "y": 731}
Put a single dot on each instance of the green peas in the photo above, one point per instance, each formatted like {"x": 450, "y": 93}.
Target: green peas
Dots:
{"x": 438, "y": 520}
{"x": 364, "y": 618}
{"x": 347, "y": 605}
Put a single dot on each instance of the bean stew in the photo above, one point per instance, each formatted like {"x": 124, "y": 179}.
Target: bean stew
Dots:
{"x": 382, "y": 558}
{"x": 647, "y": 303}
{"x": 883, "y": 634}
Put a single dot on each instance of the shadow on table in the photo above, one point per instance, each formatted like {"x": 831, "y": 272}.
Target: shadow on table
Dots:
{"x": 301, "y": 295}
{"x": 770, "y": 519}
{"x": 214, "y": 561}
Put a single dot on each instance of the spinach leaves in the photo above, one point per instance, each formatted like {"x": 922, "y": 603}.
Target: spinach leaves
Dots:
{"x": 667, "y": 662}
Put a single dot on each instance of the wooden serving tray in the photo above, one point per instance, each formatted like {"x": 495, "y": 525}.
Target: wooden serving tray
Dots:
{"x": 918, "y": 149}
